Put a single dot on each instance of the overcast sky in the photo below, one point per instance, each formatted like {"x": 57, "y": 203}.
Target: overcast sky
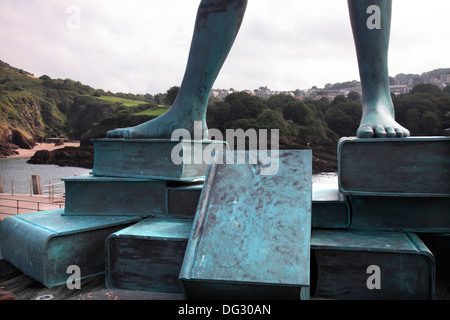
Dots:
{"x": 141, "y": 46}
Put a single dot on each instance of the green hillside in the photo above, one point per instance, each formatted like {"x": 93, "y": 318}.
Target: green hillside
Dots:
{"x": 154, "y": 111}
{"x": 34, "y": 108}
{"x": 125, "y": 102}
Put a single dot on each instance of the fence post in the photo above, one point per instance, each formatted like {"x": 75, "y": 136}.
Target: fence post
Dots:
{"x": 37, "y": 185}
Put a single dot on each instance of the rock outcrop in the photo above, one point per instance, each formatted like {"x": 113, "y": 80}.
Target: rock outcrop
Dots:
{"x": 11, "y": 140}
{"x": 82, "y": 157}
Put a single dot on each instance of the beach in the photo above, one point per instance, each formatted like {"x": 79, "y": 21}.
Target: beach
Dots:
{"x": 28, "y": 153}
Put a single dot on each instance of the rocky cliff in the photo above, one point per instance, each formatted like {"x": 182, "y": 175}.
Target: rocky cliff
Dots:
{"x": 13, "y": 139}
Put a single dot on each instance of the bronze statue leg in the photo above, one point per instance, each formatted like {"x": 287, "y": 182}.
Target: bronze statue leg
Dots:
{"x": 216, "y": 27}
{"x": 371, "y": 23}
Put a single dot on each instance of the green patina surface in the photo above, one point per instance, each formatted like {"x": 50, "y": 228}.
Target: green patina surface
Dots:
{"x": 147, "y": 256}
{"x": 342, "y": 259}
{"x": 253, "y": 236}
{"x": 44, "y": 244}
{"x": 414, "y": 166}
{"x": 154, "y": 158}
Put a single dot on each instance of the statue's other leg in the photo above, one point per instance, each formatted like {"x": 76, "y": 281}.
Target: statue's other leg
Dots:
{"x": 216, "y": 27}
{"x": 371, "y": 24}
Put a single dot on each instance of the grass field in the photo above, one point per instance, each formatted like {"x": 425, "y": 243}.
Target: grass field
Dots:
{"x": 155, "y": 111}
{"x": 126, "y": 102}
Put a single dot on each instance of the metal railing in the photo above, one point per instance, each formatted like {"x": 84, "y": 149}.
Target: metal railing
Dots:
{"x": 19, "y": 205}
{"x": 16, "y": 204}
{"x": 55, "y": 190}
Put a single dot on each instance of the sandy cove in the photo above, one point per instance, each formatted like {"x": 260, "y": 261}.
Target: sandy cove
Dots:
{"x": 28, "y": 153}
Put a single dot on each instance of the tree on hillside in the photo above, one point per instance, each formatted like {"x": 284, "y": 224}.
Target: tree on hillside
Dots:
{"x": 279, "y": 101}
{"x": 354, "y": 96}
{"x": 244, "y": 106}
{"x": 430, "y": 123}
{"x": 425, "y": 87}
{"x": 45, "y": 77}
{"x": 320, "y": 106}
{"x": 338, "y": 121}
{"x": 217, "y": 115}
{"x": 298, "y": 112}
{"x": 171, "y": 95}
{"x": 424, "y": 111}
{"x": 159, "y": 98}
{"x": 343, "y": 116}
{"x": 447, "y": 89}
{"x": 270, "y": 119}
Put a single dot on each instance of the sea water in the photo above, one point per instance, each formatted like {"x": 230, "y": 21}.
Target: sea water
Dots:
{"x": 17, "y": 172}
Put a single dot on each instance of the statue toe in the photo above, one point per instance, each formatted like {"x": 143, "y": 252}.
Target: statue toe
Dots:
{"x": 391, "y": 133}
{"x": 365, "y": 132}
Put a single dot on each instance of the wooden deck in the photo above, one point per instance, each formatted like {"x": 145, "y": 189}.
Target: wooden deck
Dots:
{"x": 23, "y": 287}
{"x": 19, "y": 204}
{"x": 14, "y": 285}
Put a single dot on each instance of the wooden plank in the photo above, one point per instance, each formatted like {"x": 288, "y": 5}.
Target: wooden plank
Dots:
{"x": 23, "y": 287}
{"x": 37, "y": 184}
{"x": 5, "y": 295}
{"x": 117, "y": 294}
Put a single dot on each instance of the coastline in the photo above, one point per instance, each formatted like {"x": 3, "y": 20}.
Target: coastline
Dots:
{"x": 28, "y": 153}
